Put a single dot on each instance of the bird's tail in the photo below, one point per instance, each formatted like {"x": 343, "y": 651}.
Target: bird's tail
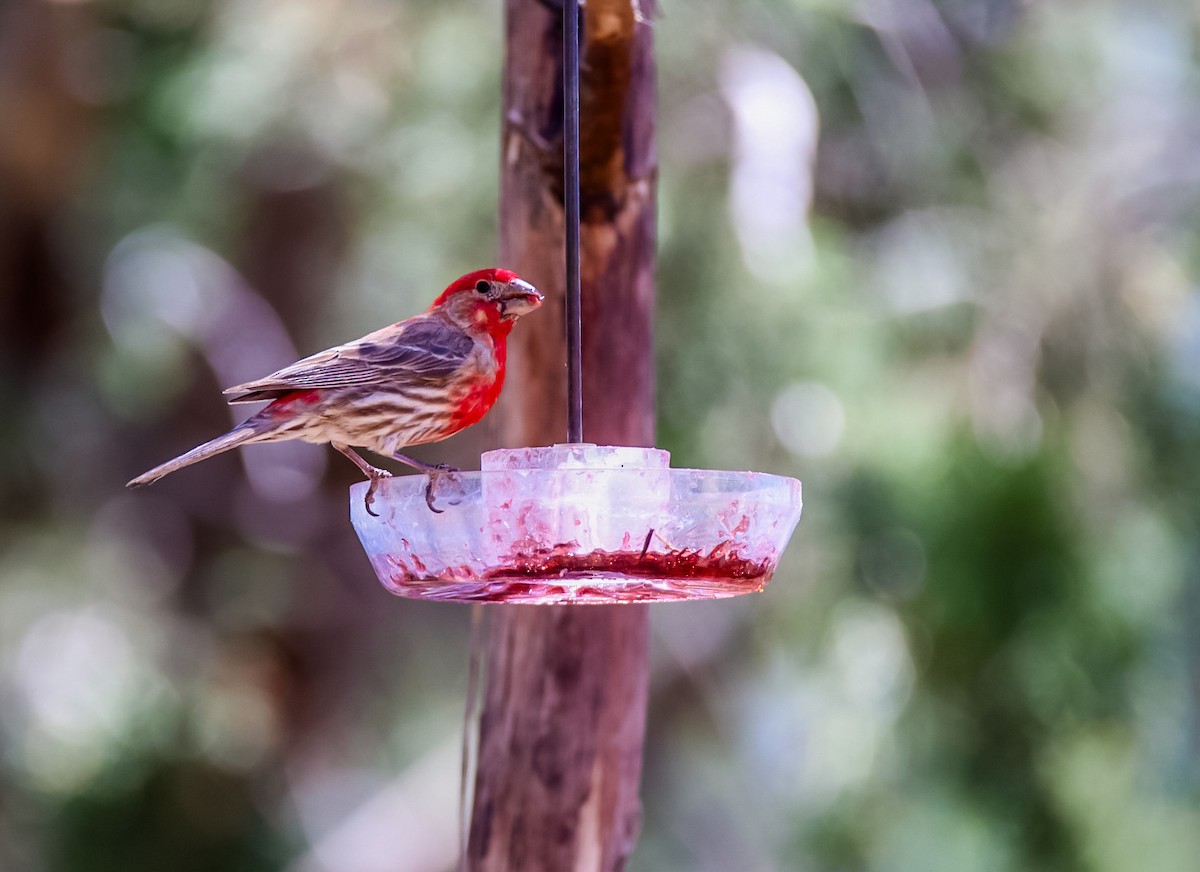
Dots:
{"x": 239, "y": 435}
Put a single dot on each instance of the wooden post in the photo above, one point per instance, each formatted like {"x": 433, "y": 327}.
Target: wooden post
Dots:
{"x": 563, "y": 709}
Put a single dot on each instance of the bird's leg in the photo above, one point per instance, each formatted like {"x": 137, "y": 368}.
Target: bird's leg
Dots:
{"x": 431, "y": 470}
{"x": 374, "y": 473}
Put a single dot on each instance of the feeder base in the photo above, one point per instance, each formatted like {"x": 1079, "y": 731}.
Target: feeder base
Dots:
{"x": 596, "y": 590}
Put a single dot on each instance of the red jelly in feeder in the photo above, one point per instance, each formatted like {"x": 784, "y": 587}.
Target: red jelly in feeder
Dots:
{"x": 578, "y": 524}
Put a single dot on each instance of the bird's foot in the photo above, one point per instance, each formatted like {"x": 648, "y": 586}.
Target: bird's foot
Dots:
{"x": 375, "y": 475}
{"x": 444, "y": 478}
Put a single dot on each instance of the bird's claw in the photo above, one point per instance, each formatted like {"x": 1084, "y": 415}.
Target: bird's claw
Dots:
{"x": 375, "y": 478}
{"x": 434, "y": 474}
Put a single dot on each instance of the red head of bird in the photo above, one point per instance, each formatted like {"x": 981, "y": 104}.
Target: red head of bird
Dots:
{"x": 488, "y": 301}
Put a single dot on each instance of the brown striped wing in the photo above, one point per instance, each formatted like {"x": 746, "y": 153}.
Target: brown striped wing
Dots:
{"x": 422, "y": 350}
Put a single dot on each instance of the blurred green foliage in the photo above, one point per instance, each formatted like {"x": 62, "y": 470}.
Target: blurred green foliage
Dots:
{"x": 937, "y": 258}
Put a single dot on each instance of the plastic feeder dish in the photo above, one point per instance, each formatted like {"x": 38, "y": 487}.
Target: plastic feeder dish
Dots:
{"x": 577, "y": 524}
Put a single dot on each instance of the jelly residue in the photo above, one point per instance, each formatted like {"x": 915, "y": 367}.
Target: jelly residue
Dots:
{"x": 559, "y": 574}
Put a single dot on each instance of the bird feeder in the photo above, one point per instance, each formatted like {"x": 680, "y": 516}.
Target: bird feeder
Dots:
{"x": 576, "y": 523}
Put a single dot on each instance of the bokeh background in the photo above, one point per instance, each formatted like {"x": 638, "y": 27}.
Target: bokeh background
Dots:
{"x": 937, "y": 258}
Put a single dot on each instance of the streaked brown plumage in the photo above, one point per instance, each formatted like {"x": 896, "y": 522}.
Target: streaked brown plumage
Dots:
{"x": 411, "y": 383}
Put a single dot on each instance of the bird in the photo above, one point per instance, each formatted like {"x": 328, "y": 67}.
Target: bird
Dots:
{"x": 417, "y": 381}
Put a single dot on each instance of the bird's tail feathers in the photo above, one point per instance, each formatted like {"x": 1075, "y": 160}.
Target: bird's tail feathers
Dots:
{"x": 239, "y": 435}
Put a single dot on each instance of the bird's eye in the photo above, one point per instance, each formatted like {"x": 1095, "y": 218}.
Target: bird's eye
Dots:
{"x": 482, "y": 286}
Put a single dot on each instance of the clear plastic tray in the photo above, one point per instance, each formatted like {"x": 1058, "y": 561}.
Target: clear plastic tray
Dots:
{"x": 577, "y": 524}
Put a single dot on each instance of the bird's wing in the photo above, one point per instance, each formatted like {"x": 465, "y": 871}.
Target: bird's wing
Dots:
{"x": 422, "y": 349}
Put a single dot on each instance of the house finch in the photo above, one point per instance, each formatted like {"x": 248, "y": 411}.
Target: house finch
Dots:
{"x": 417, "y": 381}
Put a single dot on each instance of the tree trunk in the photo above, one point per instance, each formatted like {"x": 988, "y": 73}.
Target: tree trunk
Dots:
{"x": 564, "y": 707}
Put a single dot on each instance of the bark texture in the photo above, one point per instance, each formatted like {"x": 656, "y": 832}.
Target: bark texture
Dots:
{"x": 564, "y": 705}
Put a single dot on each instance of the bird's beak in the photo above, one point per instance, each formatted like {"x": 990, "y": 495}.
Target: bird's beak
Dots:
{"x": 519, "y": 298}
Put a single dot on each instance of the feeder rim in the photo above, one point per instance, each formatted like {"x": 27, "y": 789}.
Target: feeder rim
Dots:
{"x": 508, "y": 470}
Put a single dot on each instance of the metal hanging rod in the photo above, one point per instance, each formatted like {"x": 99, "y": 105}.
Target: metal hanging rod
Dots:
{"x": 571, "y": 205}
